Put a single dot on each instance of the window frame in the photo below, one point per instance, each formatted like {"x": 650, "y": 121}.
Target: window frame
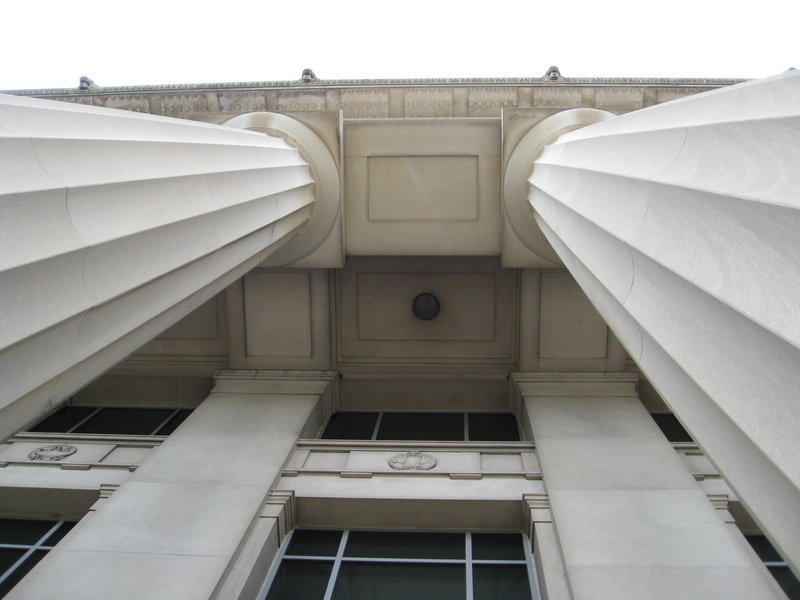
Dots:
{"x": 98, "y": 409}
{"x": 380, "y": 414}
{"x": 468, "y": 561}
{"x": 771, "y": 564}
{"x": 31, "y": 549}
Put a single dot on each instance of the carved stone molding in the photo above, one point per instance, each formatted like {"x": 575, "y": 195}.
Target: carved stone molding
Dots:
{"x": 510, "y": 81}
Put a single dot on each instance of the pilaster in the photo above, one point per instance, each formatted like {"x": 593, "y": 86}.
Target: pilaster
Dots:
{"x": 197, "y": 517}
{"x": 628, "y": 516}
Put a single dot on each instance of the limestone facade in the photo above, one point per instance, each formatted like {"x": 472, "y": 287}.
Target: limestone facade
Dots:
{"x": 599, "y": 249}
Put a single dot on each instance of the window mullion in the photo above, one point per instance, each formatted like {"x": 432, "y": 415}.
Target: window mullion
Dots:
{"x": 17, "y": 564}
{"x": 81, "y": 422}
{"x": 466, "y": 427}
{"x": 337, "y": 563}
{"x": 165, "y": 421}
{"x": 377, "y": 426}
{"x": 31, "y": 549}
{"x": 50, "y": 532}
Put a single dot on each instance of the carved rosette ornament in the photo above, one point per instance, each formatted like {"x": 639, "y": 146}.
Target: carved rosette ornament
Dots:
{"x": 412, "y": 461}
{"x": 53, "y": 453}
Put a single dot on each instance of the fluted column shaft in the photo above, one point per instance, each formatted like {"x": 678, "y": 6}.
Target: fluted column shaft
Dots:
{"x": 115, "y": 225}
{"x": 680, "y": 222}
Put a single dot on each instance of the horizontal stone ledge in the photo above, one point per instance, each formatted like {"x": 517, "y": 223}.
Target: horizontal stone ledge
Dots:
{"x": 97, "y": 438}
{"x": 529, "y": 476}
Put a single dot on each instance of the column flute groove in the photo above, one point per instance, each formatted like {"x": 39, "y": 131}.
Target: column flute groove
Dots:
{"x": 117, "y": 224}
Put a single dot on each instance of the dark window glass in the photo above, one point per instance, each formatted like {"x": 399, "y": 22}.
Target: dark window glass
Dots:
{"x": 301, "y": 580}
{"x": 782, "y": 574}
{"x": 351, "y": 426}
{"x": 59, "y": 534}
{"x": 497, "y": 546}
{"x": 23, "y": 531}
{"x": 405, "y": 544}
{"x": 398, "y": 581}
{"x": 9, "y": 556}
{"x": 127, "y": 421}
{"x": 65, "y": 419}
{"x": 31, "y": 534}
{"x": 671, "y": 427}
{"x": 173, "y": 423}
{"x": 21, "y": 571}
{"x": 787, "y": 581}
{"x": 311, "y": 542}
{"x": 493, "y": 427}
{"x": 422, "y": 426}
{"x": 113, "y": 420}
{"x": 402, "y": 565}
{"x": 766, "y": 551}
{"x": 490, "y": 427}
{"x": 501, "y": 582}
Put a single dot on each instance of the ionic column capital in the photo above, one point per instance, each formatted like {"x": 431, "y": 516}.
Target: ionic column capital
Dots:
{"x": 327, "y": 184}
{"x": 520, "y": 167}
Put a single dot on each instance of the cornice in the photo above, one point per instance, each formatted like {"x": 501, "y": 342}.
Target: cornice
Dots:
{"x": 370, "y": 83}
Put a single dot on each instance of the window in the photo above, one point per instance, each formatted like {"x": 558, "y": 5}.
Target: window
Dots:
{"x": 23, "y": 543}
{"x": 474, "y": 427}
{"x": 364, "y": 565}
{"x": 113, "y": 420}
{"x": 776, "y": 565}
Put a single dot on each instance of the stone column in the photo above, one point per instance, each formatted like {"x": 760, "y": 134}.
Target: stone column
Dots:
{"x": 680, "y": 222}
{"x": 179, "y": 527}
{"x": 630, "y": 518}
{"x": 114, "y": 225}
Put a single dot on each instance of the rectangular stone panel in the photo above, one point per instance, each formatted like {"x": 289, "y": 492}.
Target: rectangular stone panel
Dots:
{"x": 570, "y": 326}
{"x": 277, "y": 310}
{"x": 375, "y": 320}
{"x": 423, "y": 188}
{"x": 501, "y": 462}
{"x": 200, "y": 324}
{"x": 466, "y": 306}
{"x": 453, "y": 208}
{"x": 326, "y": 460}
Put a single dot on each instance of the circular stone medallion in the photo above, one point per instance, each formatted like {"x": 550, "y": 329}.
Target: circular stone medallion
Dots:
{"x": 412, "y": 461}
{"x": 56, "y": 452}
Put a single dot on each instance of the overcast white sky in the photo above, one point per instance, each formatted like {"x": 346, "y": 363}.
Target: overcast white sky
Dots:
{"x": 49, "y": 44}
